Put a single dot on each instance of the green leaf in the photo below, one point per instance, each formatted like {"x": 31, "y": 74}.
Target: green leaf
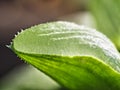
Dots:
{"x": 75, "y": 56}
{"x": 107, "y": 17}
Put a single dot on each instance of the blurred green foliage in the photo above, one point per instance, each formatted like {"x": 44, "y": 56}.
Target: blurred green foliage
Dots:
{"x": 107, "y": 17}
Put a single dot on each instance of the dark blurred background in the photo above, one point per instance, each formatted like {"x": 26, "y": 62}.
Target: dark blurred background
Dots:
{"x": 21, "y": 14}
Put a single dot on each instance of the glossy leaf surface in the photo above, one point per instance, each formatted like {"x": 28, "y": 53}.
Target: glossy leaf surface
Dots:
{"x": 75, "y": 56}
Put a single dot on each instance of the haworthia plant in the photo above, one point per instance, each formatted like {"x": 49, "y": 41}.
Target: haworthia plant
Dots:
{"x": 75, "y": 56}
{"x": 107, "y": 17}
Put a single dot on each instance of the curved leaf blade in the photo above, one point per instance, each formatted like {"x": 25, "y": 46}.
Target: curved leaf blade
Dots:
{"x": 72, "y": 55}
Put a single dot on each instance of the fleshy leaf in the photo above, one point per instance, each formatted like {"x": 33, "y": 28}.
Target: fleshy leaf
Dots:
{"x": 75, "y": 56}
